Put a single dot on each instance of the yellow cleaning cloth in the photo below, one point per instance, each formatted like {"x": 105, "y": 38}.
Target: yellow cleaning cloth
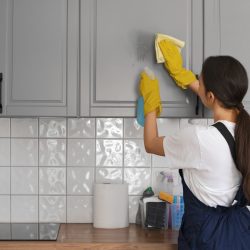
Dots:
{"x": 159, "y": 37}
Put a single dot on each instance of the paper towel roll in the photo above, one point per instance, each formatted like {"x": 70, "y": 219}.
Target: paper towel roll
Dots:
{"x": 110, "y": 206}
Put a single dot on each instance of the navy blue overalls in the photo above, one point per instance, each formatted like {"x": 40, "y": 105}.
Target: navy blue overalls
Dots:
{"x": 220, "y": 228}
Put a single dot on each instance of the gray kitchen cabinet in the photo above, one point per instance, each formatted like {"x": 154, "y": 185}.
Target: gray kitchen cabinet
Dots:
{"x": 117, "y": 42}
{"x": 226, "y": 33}
{"x": 39, "y": 57}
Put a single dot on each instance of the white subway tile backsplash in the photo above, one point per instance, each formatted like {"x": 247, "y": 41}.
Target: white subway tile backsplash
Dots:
{"x": 52, "y": 181}
{"x": 24, "y": 152}
{"x": 81, "y": 152}
{"x": 52, "y": 127}
{"x": 5, "y": 208}
{"x": 24, "y": 209}
{"x": 24, "y": 127}
{"x": 24, "y": 180}
{"x": 81, "y": 128}
{"x": 79, "y": 209}
{"x": 48, "y": 166}
{"x": 167, "y": 126}
{"x": 80, "y": 181}
{"x": 5, "y": 180}
{"x": 132, "y": 129}
{"x": 138, "y": 179}
{"x": 52, "y": 152}
{"x": 109, "y": 127}
{"x": 52, "y": 209}
{"x": 109, "y": 153}
{"x": 4, "y": 152}
{"x": 4, "y": 127}
{"x": 108, "y": 175}
{"x": 135, "y": 154}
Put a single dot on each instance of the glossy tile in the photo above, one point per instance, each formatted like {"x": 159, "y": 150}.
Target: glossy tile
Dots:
{"x": 167, "y": 126}
{"x": 4, "y": 127}
{"x": 108, "y": 175}
{"x": 109, "y": 127}
{"x": 80, "y": 181}
{"x": 133, "y": 207}
{"x": 81, "y": 152}
{"x": 5, "y": 209}
{"x": 109, "y": 153}
{"x": 52, "y": 152}
{"x": 24, "y": 208}
{"x": 4, "y": 152}
{"x": 24, "y": 180}
{"x": 132, "y": 129}
{"x": 135, "y": 154}
{"x": 52, "y": 209}
{"x": 52, "y": 181}
{"x": 79, "y": 209}
{"x": 24, "y": 152}
{"x": 24, "y": 127}
{"x": 52, "y": 127}
{"x": 138, "y": 179}
{"x": 4, "y": 180}
{"x": 81, "y": 127}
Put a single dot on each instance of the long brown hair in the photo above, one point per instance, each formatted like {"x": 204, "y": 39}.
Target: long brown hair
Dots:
{"x": 227, "y": 79}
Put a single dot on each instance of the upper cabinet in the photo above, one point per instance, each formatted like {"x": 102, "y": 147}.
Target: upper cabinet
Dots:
{"x": 39, "y": 57}
{"x": 117, "y": 42}
{"x": 225, "y": 33}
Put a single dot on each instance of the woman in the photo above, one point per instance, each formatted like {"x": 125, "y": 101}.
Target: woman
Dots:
{"x": 214, "y": 160}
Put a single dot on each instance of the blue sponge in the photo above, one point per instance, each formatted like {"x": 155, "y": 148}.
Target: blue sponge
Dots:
{"x": 140, "y": 111}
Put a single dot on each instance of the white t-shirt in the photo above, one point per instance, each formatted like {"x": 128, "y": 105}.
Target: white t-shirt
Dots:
{"x": 208, "y": 167}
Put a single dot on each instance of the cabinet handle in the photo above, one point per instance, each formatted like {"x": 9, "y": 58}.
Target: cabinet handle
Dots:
{"x": 197, "y": 106}
{"x": 1, "y": 79}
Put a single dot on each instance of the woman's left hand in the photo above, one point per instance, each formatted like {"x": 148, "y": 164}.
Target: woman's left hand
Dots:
{"x": 149, "y": 90}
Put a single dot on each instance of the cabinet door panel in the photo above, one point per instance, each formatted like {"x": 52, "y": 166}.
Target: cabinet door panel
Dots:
{"x": 118, "y": 42}
{"x": 226, "y": 33}
{"x": 41, "y": 58}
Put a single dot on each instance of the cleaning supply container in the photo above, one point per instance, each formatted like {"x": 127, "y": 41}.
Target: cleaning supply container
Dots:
{"x": 177, "y": 211}
{"x": 111, "y": 206}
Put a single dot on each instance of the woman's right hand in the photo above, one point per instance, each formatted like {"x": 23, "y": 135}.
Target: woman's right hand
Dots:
{"x": 174, "y": 64}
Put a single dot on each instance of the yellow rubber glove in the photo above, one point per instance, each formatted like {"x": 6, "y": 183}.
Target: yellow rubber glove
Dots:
{"x": 149, "y": 90}
{"x": 173, "y": 63}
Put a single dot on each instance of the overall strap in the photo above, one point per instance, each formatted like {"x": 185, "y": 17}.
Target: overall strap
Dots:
{"x": 240, "y": 197}
{"x": 228, "y": 137}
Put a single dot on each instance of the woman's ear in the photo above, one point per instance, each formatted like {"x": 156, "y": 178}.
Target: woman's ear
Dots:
{"x": 210, "y": 98}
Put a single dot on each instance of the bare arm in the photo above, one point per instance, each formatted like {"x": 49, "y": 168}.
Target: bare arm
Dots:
{"x": 153, "y": 143}
{"x": 194, "y": 86}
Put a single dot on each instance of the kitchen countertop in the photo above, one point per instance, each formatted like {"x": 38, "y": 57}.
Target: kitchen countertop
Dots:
{"x": 85, "y": 236}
